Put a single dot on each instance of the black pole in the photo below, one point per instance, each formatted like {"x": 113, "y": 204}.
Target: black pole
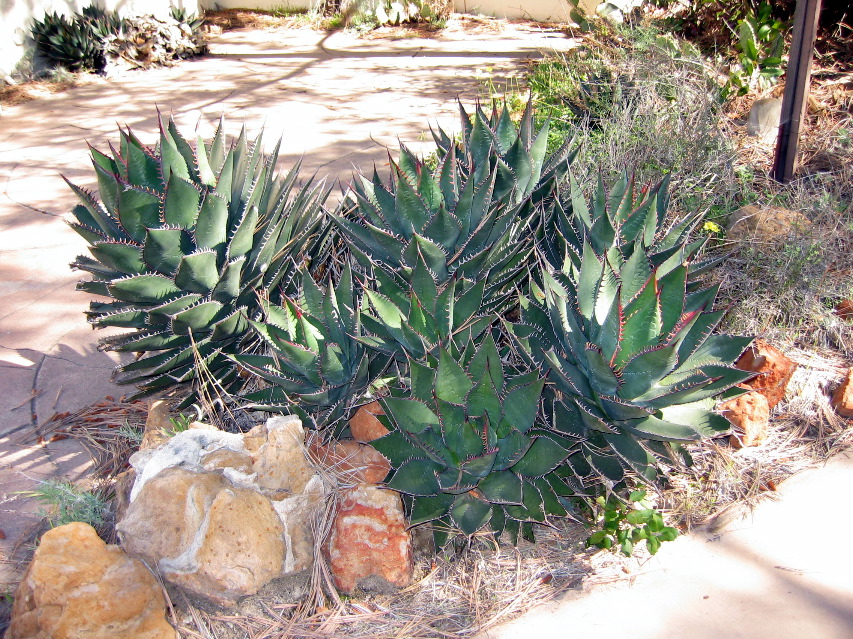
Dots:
{"x": 796, "y": 88}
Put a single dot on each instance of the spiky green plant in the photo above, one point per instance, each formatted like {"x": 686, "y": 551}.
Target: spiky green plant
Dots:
{"x": 627, "y": 338}
{"x": 467, "y": 449}
{"x": 69, "y": 42}
{"x": 467, "y": 219}
{"x": 315, "y": 366}
{"x": 186, "y": 241}
{"x": 415, "y": 319}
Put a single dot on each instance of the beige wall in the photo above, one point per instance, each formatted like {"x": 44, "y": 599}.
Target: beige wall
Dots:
{"x": 16, "y": 17}
{"x": 542, "y": 10}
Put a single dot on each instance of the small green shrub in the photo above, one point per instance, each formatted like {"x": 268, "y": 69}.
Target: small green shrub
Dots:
{"x": 624, "y": 524}
{"x": 67, "y": 503}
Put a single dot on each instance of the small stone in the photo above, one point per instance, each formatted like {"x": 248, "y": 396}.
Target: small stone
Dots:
{"x": 351, "y": 461}
{"x": 773, "y": 367}
{"x": 369, "y": 544}
{"x": 157, "y": 425}
{"x": 78, "y": 586}
{"x": 764, "y": 223}
{"x": 281, "y": 463}
{"x": 122, "y": 486}
{"x": 750, "y": 416}
{"x": 844, "y": 310}
{"x": 364, "y": 425}
{"x": 763, "y": 120}
{"x": 842, "y": 398}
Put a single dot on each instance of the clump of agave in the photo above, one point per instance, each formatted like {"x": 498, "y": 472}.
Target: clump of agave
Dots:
{"x": 185, "y": 240}
{"x": 468, "y": 218}
{"x": 468, "y": 450}
{"x": 626, "y": 336}
{"x": 314, "y": 365}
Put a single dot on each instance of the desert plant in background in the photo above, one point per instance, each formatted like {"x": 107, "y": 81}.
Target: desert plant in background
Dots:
{"x": 185, "y": 242}
{"x": 76, "y": 42}
{"x": 760, "y": 43}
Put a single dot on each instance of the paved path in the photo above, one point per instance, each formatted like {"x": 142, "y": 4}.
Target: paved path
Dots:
{"x": 336, "y": 99}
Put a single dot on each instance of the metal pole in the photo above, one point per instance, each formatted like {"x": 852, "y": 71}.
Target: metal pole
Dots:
{"x": 796, "y": 88}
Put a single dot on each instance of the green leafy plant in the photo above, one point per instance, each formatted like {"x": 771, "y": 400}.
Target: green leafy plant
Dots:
{"x": 316, "y": 366}
{"x": 625, "y": 331}
{"x": 66, "y": 503}
{"x": 760, "y": 43}
{"x": 186, "y": 241}
{"x": 76, "y": 42}
{"x": 183, "y": 16}
{"x": 467, "y": 449}
{"x": 624, "y": 525}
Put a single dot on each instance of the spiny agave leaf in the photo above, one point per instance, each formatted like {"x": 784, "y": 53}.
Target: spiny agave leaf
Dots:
{"x": 467, "y": 304}
{"x": 200, "y": 317}
{"x": 479, "y": 141}
{"x": 142, "y": 168}
{"x": 470, "y": 513}
{"x": 211, "y": 227}
{"x": 511, "y": 448}
{"x": 133, "y": 318}
{"x": 410, "y": 415}
{"x": 501, "y": 487}
{"x": 173, "y": 306}
{"x": 521, "y": 405}
{"x": 181, "y": 203}
{"x": 151, "y": 341}
{"x": 184, "y": 149}
{"x": 700, "y": 415}
{"x": 125, "y": 258}
{"x": 717, "y": 349}
{"x": 608, "y": 466}
{"x": 652, "y": 427}
{"x": 452, "y": 383}
{"x": 416, "y": 477}
{"x": 616, "y": 409}
{"x": 483, "y": 400}
{"x": 601, "y": 376}
{"x": 144, "y": 289}
{"x": 634, "y": 456}
{"x": 487, "y": 361}
{"x": 228, "y": 286}
{"x": 428, "y": 508}
{"x": 234, "y": 324}
{"x": 531, "y": 508}
{"x": 459, "y": 434}
{"x": 396, "y": 448}
{"x": 138, "y": 210}
{"x": 413, "y": 212}
{"x": 550, "y": 502}
{"x": 197, "y": 272}
{"x": 164, "y": 247}
{"x": 376, "y": 241}
{"x": 172, "y": 163}
{"x": 543, "y": 456}
{"x": 643, "y": 324}
{"x": 240, "y": 242}
{"x": 505, "y": 132}
{"x": 87, "y": 232}
{"x": 521, "y": 164}
{"x": 444, "y": 229}
{"x": 479, "y": 466}
{"x": 646, "y": 369}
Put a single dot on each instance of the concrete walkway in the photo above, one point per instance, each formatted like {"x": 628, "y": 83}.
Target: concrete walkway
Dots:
{"x": 336, "y": 99}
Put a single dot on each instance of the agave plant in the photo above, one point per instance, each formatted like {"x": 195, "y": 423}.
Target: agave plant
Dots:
{"x": 627, "y": 338}
{"x": 186, "y": 241}
{"x": 466, "y": 449}
{"x": 415, "y": 319}
{"x": 315, "y": 366}
{"x": 72, "y": 43}
{"x": 467, "y": 218}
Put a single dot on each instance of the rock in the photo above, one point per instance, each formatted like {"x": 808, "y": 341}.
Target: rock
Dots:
{"x": 297, "y": 513}
{"x": 157, "y": 425}
{"x": 281, "y": 463}
{"x": 764, "y": 223}
{"x": 122, "y": 486}
{"x": 750, "y": 415}
{"x": 352, "y": 462}
{"x": 773, "y": 367}
{"x": 78, "y": 586}
{"x": 364, "y": 425}
{"x": 203, "y": 533}
{"x": 763, "y": 120}
{"x": 369, "y": 546}
{"x": 844, "y": 310}
{"x": 227, "y": 458}
{"x": 842, "y": 398}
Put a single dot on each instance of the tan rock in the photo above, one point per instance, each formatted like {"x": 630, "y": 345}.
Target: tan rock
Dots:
{"x": 238, "y": 550}
{"x": 122, "y": 486}
{"x": 281, "y": 463}
{"x": 844, "y": 310}
{"x": 842, "y": 398}
{"x": 764, "y": 223}
{"x": 255, "y": 438}
{"x": 217, "y": 540}
{"x": 773, "y": 367}
{"x": 369, "y": 542}
{"x": 297, "y": 513}
{"x": 351, "y": 461}
{"x": 750, "y": 416}
{"x": 157, "y": 425}
{"x": 364, "y": 425}
{"x": 77, "y": 586}
{"x": 227, "y": 458}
